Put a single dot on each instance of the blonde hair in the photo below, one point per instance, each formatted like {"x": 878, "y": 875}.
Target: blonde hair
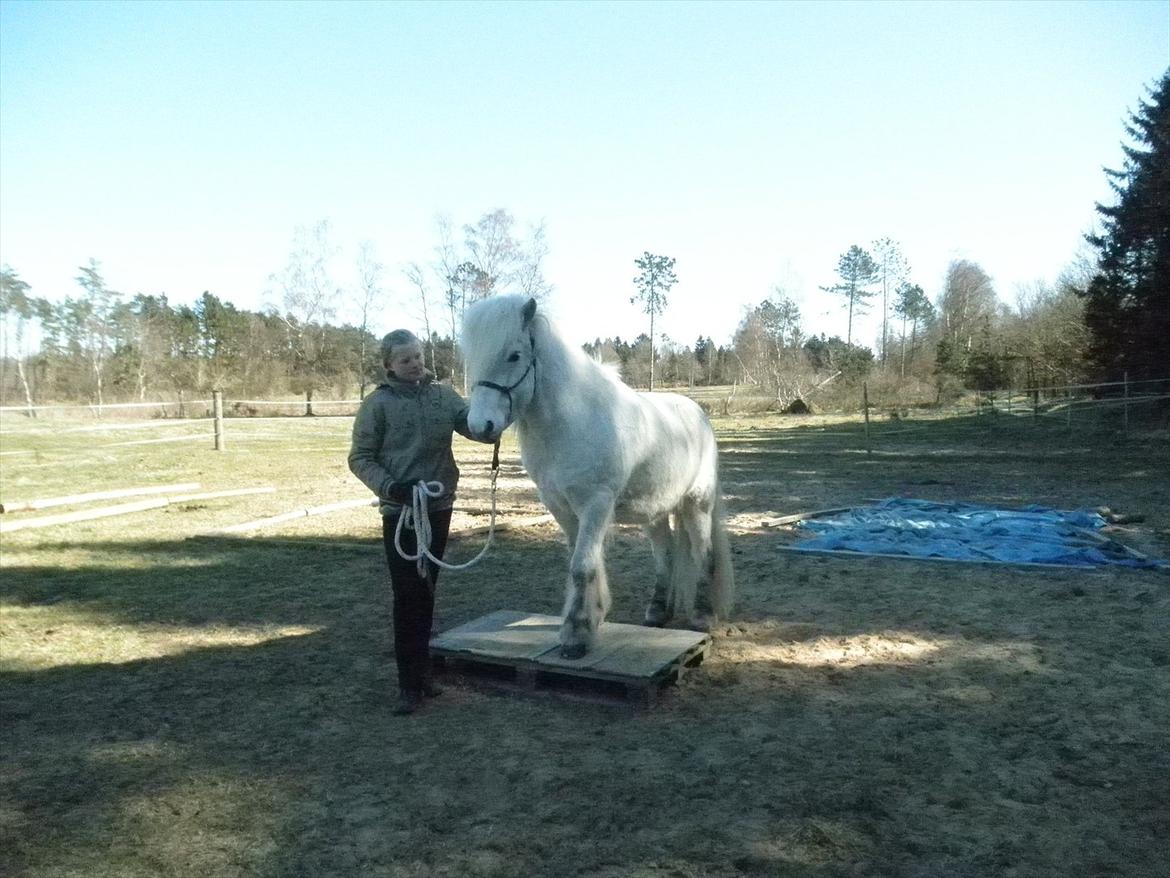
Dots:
{"x": 394, "y": 339}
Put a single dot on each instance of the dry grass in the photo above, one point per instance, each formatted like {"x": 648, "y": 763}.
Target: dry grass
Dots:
{"x": 222, "y": 707}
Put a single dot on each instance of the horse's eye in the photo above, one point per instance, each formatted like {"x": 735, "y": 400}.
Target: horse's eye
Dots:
{"x": 513, "y": 358}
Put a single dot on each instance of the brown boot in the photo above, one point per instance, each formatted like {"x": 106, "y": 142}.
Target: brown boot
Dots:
{"x": 430, "y": 688}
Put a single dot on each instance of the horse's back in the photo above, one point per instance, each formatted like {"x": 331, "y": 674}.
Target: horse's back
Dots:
{"x": 680, "y": 419}
{"x": 672, "y": 458}
{"x": 651, "y": 450}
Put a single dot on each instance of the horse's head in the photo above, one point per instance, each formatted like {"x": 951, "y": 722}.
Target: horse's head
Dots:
{"x": 501, "y": 362}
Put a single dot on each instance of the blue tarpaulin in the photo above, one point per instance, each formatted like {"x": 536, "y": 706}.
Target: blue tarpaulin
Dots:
{"x": 969, "y": 532}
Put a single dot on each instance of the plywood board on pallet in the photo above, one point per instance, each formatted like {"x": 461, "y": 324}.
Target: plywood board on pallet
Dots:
{"x": 505, "y": 634}
{"x": 624, "y": 651}
{"x": 627, "y": 653}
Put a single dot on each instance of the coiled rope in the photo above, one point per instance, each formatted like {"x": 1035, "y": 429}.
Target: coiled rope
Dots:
{"x": 416, "y": 517}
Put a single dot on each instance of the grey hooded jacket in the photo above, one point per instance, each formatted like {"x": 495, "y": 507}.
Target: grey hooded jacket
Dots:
{"x": 402, "y": 433}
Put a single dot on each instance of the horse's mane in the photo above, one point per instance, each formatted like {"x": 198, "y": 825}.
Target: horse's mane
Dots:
{"x": 491, "y": 323}
{"x": 487, "y": 327}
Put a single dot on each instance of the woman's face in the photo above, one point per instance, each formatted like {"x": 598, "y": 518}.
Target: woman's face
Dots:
{"x": 406, "y": 361}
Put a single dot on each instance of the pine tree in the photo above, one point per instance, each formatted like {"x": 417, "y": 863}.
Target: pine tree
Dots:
{"x": 857, "y": 270}
{"x": 653, "y": 283}
{"x": 1128, "y": 300}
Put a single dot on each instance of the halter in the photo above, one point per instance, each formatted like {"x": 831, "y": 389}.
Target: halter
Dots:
{"x": 507, "y": 391}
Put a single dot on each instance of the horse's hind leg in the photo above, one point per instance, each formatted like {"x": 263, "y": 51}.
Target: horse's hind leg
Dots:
{"x": 662, "y": 542}
{"x": 696, "y": 518}
{"x": 587, "y": 599}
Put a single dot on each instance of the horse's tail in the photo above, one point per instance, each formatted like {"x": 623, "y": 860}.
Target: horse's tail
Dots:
{"x": 722, "y": 574}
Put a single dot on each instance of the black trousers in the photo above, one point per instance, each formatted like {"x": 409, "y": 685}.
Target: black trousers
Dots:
{"x": 414, "y": 597}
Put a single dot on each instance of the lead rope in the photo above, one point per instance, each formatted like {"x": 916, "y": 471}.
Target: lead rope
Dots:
{"x": 416, "y": 518}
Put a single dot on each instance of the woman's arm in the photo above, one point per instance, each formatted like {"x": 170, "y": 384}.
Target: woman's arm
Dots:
{"x": 369, "y": 430}
{"x": 458, "y": 408}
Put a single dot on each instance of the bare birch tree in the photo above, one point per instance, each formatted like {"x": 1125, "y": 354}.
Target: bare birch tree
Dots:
{"x": 414, "y": 273}
{"x": 892, "y": 271}
{"x": 968, "y": 301}
{"x": 310, "y": 299}
{"x": 370, "y": 272}
{"x": 16, "y": 306}
{"x": 96, "y": 314}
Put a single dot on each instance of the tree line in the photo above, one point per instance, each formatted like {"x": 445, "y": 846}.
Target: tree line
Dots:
{"x": 99, "y": 346}
{"x": 1107, "y": 316}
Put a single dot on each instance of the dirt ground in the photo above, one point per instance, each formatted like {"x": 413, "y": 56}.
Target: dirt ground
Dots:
{"x": 856, "y": 717}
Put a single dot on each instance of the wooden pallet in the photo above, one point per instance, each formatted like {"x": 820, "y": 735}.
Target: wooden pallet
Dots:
{"x": 629, "y": 663}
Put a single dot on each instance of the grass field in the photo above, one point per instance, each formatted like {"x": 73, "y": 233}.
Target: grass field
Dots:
{"x": 181, "y": 704}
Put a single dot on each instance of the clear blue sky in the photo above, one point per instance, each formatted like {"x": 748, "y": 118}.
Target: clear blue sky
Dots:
{"x": 180, "y": 144}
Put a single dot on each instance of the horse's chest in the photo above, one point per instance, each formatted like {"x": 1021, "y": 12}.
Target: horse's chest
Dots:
{"x": 562, "y": 473}
{"x": 568, "y": 483}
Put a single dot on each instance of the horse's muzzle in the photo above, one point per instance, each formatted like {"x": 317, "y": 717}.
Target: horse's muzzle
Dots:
{"x": 490, "y": 432}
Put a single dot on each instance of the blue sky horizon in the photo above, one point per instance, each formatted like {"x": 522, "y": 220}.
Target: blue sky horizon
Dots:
{"x": 181, "y": 144}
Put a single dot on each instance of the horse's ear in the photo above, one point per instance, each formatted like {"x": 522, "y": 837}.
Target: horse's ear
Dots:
{"x": 528, "y": 312}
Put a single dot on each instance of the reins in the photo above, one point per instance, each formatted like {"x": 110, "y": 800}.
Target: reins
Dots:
{"x": 416, "y": 517}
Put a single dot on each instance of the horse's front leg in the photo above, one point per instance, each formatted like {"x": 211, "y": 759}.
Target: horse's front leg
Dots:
{"x": 587, "y": 596}
{"x": 565, "y": 517}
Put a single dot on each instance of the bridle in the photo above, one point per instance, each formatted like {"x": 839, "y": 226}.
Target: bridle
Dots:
{"x": 507, "y": 391}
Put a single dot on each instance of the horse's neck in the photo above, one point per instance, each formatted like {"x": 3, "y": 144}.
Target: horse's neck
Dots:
{"x": 555, "y": 413}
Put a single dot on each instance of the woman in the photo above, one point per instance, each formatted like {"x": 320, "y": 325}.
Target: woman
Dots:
{"x": 402, "y": 434}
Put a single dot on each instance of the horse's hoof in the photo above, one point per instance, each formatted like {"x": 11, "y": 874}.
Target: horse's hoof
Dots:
{"x": 575, "y": 651}
{"x": 701, "y": 623}
{"x": 655, "y": 618}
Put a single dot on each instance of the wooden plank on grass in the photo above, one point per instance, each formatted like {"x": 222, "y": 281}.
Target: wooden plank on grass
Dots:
{"x": 216, "y": 495}
{"x": 124, "y": 508}
{"x": 481, "y": 529}
{"x": 85, "y": 515}
{"x": 46, "y": 503}
{"x": 296, "y": 513}
{"x": 801, "y": 516}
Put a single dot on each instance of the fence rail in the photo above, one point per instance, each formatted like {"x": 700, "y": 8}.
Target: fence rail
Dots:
{"x": 1050, "y": 402}
{"x": 105, "y": 407}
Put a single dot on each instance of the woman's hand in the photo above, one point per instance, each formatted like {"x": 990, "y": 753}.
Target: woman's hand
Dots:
{"x": 399, "y": 492}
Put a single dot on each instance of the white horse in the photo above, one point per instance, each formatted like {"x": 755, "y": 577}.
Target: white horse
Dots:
{"x": 600, "y": 452}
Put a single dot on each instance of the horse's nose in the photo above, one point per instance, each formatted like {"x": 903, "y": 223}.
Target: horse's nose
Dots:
{"x": 489, "y": 429}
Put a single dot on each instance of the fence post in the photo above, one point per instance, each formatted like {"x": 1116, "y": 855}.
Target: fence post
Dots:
{"x": 1126, "y": 409}
{"x": 217, "y": 408}
{"x": 865, "y": 408}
